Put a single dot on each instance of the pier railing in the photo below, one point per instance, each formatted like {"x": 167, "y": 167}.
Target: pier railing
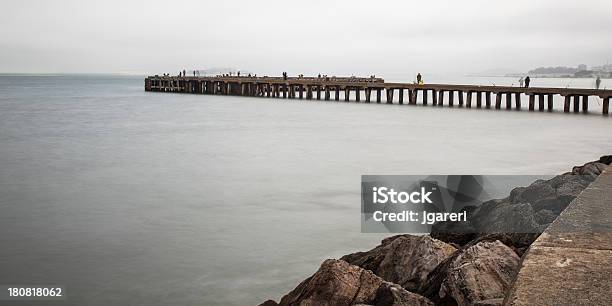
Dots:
{"x": 330, "y": 88}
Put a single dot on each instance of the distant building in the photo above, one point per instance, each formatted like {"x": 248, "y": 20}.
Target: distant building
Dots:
{"x": 582, "y": 67}
{"x": 603, "y": 68}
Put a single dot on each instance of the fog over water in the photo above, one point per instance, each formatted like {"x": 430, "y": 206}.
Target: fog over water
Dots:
{"x": 339, "y": 37}
{"x": 135, "y": 198}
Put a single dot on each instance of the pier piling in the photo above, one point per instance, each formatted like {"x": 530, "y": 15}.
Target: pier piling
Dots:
{"x": 566, "y": 104}
{"x": 498, "y": 98}
{"x": 390, "y": 96}
{"x": 576, "y": 104}
{"x": 468, "y": 100}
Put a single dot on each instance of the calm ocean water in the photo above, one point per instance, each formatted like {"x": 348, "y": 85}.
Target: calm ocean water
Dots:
{"x": 134, "y": 198}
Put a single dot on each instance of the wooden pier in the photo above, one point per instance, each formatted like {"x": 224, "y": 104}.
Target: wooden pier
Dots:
{"x": 326, "y": 88}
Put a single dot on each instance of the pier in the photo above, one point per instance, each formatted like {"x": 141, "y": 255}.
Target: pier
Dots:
{"x": 377, "y": 90}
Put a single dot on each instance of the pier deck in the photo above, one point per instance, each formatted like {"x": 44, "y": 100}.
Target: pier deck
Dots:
{"x": 507, "y": 97}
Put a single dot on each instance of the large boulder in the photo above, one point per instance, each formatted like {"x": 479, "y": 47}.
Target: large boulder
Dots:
{"x": 340, "y": 283}
{"x": 404, "y": 259}
{"x": 592, "y": 169}
{"x": 504, "y": 217}
{"x": 606, "y": 159}
{"x": 480, "y": 272}
{"x": 538, "y": 190}
{"x": 518, "y": 242}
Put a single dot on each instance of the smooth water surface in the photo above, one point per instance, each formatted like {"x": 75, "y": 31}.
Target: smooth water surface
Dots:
{"x": 134, "y": 198}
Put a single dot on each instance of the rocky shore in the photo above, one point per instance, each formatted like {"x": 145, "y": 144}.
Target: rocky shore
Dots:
{"x": 451, "y": 266}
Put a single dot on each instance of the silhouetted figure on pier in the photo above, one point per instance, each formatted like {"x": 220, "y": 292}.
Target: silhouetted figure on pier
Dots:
{"x": 419, "y": 79}
{"x": 521, "y": 81}
{"x": 194, "y": 73}
{"x": 285, "y": 75}
{"x": 527, "y": 81}
{"x": 184, "y": 72}
{"x": 597, "y": 82}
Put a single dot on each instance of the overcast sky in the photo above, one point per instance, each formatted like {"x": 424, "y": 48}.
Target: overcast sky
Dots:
{"x": 330, "y": 36}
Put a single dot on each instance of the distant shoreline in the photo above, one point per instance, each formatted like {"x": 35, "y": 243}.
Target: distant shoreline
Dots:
{"x": 533, "y": 76}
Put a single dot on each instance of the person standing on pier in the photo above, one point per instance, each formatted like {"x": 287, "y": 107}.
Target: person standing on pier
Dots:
{"x": 527, "y": 81}
{"x": 597, "y": 82}
{"x": 419, "y": 79}
{"x": 521, "y": 80}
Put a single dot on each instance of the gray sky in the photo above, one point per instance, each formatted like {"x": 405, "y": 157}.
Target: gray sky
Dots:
{"x": 333, "y": 36}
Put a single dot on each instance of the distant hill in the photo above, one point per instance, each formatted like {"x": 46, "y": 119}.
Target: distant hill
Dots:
{"x": 554, "y": 70}
{"x": 496, "y": 72}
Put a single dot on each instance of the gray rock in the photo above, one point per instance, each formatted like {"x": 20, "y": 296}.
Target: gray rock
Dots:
{"x": 555, "y": 205}
{"x": 404, "y": 259}
{"x": 572, "y": 185}
{"x": 545, "y": 216}
{"x": 506, "y": 217}
{"x": 606, "y": 159}
{"x": 592, "y": 169}
{"x": 480, "y": 272}
{"x": 538, "y": 190}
